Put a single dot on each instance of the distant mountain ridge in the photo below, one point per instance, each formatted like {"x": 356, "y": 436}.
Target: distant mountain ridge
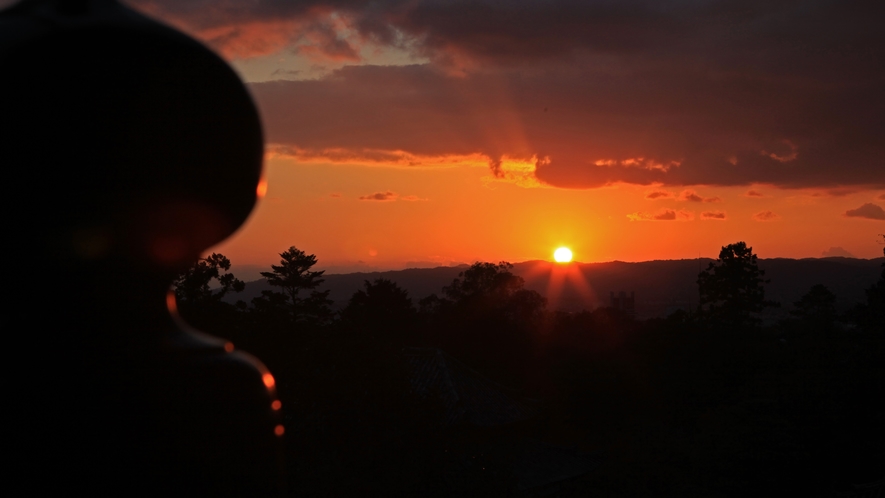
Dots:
{"x": 660, "y": 287}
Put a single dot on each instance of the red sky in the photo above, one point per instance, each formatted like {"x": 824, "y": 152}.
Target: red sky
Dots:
{"x": 418, "y": 133}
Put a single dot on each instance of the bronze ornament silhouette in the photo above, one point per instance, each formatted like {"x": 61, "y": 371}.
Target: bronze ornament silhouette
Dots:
{"x": 127, "y": 149}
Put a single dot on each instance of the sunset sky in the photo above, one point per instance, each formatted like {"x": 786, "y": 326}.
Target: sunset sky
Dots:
{"x": 425, "y": 133}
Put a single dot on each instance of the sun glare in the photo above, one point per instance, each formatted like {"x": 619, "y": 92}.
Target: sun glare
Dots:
{"x": 562, "y": 255}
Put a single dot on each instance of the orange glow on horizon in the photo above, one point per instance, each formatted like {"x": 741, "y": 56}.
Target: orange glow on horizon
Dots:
{"x": 458, "y": 220}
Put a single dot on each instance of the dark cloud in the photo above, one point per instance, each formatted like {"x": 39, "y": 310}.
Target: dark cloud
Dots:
{"x": 692, "y": 196}
{"x": 659, "y": 194}
{"x": 869, "y": 211}
{"x": 639, "y": 91}
{"x": 633, "y": 131}
{"x": 765, "y": 216}
{"x": 836, "y": 192}
{"x": 379, "y": 196}
{"x": 713, "y": 215}
{"x": 335, "y": 195}
{"x": 388, "y": 196}
{"x": 493, "y": 30}
{"x": 881, "y": 197}
{"x": 667, "y": 215}
{"x": 837, "y": 252}
{"x": 753, "y": 193}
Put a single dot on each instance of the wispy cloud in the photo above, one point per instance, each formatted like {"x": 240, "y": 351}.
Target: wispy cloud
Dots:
{"x": 373, "y": 157}
{"x": 521, "y": 172}
{"x": 766, "y": 216}
{"x": 692, "y": 196}
{"x": 790, "y": 153}
{"x": 379, "y": 196}
{"x": 659, "y": 194}
{"x": 713, "y": 215}
{"x": 389, "y": 196}
{"x": 662, "y": 215}
{"x": 835, "y": 192}
{"x": 836, "y": 252}
{"x": 639, "y": 162}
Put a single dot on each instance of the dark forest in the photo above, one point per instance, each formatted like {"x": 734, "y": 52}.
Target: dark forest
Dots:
{"x": 708, "y": 402}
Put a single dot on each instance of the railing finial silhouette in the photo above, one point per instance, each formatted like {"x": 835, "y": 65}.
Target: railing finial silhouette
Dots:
{"x": 127, "y": 150}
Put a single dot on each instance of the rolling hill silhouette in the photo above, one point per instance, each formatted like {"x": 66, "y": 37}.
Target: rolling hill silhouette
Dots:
{"x": 661, "y": 287}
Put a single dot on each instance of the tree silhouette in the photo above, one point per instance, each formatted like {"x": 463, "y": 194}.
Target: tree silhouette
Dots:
{"x": 370, "y": 374}
{"x": 818, "y": 305}
{"x": 201, "y": 305}
{"x": 489, "y": 288}
{"x": 192, "y": 287}
{"x": 486, "y": 280}
{"x": 876, "y": 301}
{"x": 731, "y": 288}
{"x": 297, "y": 283}
{"x": 488, "y": 319}
{"x": 383, "y": 308}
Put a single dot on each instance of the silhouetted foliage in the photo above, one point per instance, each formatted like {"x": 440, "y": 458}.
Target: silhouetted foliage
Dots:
{"x": 296, "y": 283}
{"x": 676, "y": 409}
{"x": 383, "y": 310}
{"x": 818, "y": 305}
{"x": 484, "y": 281}
{"x": 731, "y": 288}
{"x": 488, "y": 288}
{"x": 876, "y": 302}
{"x": 193, "y": 286}
{"x": 487, "y": 318}
{"x": 200, "y": 304}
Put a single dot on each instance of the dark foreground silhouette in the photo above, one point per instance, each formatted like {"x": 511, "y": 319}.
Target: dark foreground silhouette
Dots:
{"x": 482, "y": 390}
{"x": 127, "y": 149}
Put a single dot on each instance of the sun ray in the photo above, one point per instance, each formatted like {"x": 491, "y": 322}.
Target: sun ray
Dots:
{"x": 565, "y": 285}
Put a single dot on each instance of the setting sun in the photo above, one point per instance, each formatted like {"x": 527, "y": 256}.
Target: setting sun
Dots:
{"x": 562, "y": 255}
{"x": 718, "y": 170}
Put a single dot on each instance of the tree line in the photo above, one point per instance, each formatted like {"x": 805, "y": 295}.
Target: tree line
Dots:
{"x": 710, "y": 400}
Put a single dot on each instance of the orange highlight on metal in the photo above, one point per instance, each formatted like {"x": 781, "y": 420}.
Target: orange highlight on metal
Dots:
{"x": 268, "y": 380}
{"x": 171, "y": 304}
